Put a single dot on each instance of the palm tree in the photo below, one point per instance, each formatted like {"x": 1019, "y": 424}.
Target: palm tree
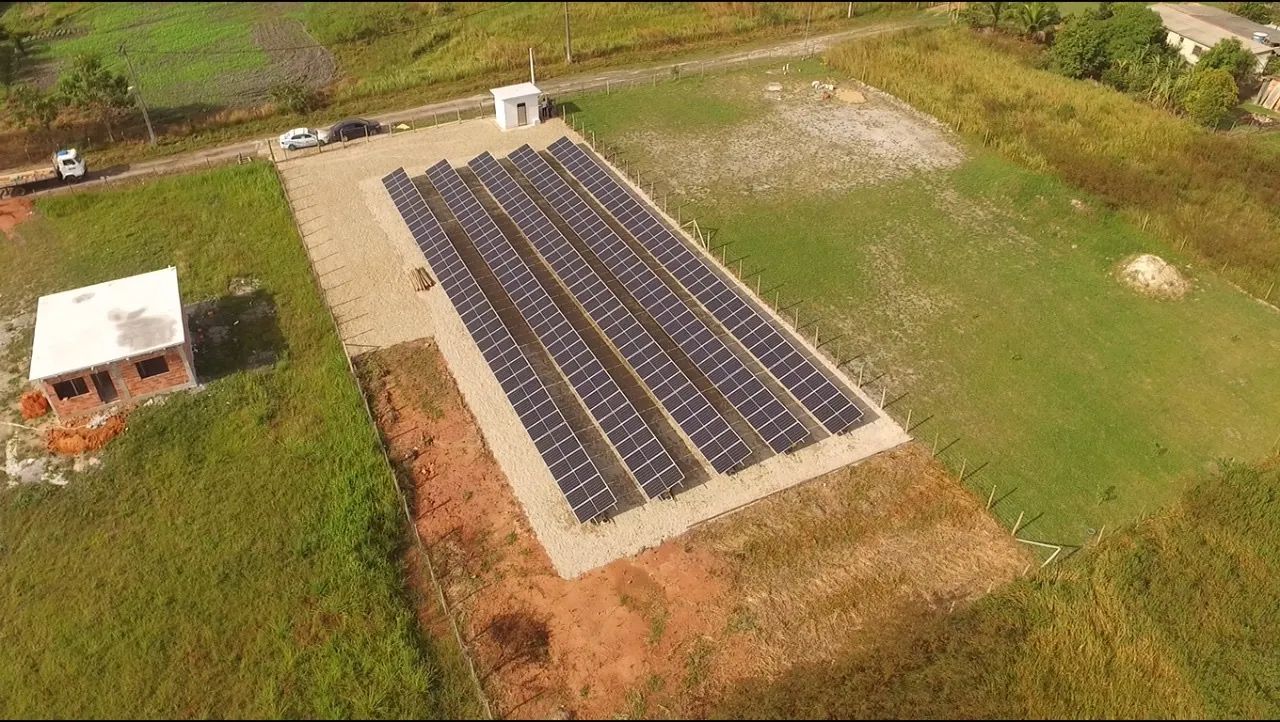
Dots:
{"x": 1036, "y": 20}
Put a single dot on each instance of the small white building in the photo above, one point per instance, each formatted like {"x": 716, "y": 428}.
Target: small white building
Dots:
{"x": 516, "y": 105}
{"x": 1193, "y": 29}
{"x": 113, "y": 342}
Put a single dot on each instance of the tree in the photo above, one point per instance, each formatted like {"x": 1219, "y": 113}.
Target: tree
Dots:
{"x": 93, "y": 86}
{"x": 1037, "y": 20}
{"x": 1232, "y": 56}
{"x": 1209, "y": 96}
{"x": 1080, "y": 49}
{"x": 1133, "y": 31}
{"x": 985, "y": 15}
{"x": 1257, "y": 12}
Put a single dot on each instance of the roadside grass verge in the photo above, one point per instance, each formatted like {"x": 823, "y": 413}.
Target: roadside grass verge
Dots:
{"x": 238, "y": 551}
{"x": 984, "y": 292}
{"x": 1214, "y": 191}
{"x": 400, "y": 55}
{"x": 1171, "y": 617}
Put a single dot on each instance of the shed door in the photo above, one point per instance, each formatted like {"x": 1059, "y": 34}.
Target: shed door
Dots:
{"x": 522, "y": 114}
{"x": 105, "y": 386}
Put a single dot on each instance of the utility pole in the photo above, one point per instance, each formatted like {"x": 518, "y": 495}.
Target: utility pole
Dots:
{"x": 568, "y": 41}
{"x": 137, "y": 93}
{"x": 850, "y": 15}
{"x": 807, "y": 20}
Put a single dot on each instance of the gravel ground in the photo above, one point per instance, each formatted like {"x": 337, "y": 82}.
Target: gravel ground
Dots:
{"x": 363, "y": 253}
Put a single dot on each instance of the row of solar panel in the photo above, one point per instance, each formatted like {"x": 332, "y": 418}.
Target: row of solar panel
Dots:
{"x": 644, "y": 455}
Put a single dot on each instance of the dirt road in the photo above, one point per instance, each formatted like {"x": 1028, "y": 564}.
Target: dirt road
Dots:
{"x": 426, "y": 113}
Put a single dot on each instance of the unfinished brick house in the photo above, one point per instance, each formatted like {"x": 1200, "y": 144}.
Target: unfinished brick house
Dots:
{"x": 111, "y": 343}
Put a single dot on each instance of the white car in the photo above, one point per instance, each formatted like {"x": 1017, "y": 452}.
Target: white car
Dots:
{"x": 302, "y": 138}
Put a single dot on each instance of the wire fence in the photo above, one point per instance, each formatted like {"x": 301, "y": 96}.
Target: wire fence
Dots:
{"x": 876, "y": 384}
{"x": 412, "y": 526}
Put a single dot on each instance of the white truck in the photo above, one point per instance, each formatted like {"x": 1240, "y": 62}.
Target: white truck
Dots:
{"x": 67, "y": 167}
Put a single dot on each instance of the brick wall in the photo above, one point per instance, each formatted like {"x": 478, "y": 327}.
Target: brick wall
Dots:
{"x": 129, "y": 384}
{"x": 67, "y": 408}
{"x": 137, "y": 386}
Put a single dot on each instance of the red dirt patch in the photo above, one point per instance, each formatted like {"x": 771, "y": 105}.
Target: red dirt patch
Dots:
{"x": 34, "y": 405}
{"x": 13, "y": 211}
{"x": 72, "y": 440}
{"x": 665, "y": 632}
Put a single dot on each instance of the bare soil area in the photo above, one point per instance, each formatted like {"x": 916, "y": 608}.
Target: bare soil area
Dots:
{"x": 793, "y": 578}
{"x": 13, "y": 211}
{"x": 806, "y": 138}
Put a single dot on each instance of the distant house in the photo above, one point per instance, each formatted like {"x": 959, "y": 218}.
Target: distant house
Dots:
{"x": 1194, "y": 28}
{"x": 113, "y": 342}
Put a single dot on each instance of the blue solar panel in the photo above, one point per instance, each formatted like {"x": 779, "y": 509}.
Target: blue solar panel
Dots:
{"x": 764, "y": 411}
{"x": 709, "y": 431}
{"x": 641, "y": 451}
{"x": 570, "y": 464}
{"x": 776, "y": 350}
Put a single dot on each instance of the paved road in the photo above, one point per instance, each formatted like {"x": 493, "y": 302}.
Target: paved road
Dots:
{"x": 451, "y": 108}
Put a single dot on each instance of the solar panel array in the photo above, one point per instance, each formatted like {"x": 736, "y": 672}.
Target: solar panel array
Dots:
{"x": 570, "y": 464}
{"x": 830, "y": 404}
{"x": 641, "y": 451}
{"x": 763, "y": 410}
{"x": 709, "y": 431}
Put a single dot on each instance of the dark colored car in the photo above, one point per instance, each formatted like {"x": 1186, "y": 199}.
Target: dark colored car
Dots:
{"x": 352, "y": 128}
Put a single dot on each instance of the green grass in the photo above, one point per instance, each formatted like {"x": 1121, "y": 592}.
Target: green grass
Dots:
{"x": 1170, "y": 618}
{"x": 211, "y": 41}
{"x": 991, "y": 299}
{"x": 391, "y": 55}
{"x": 237, "y": 554}
{"x": 1212, "y": 189}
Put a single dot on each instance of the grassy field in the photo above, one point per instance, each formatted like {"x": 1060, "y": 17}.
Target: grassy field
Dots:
{"x": 1215, "y": 190}
{"x": 983, "y": 291}
{"x": 200, "y": 56}
{"x": 1171, "y": 618}
{"x": 183, "y": 52}
{"x": 492, "y": 40}
{"x": 237, "y": 554}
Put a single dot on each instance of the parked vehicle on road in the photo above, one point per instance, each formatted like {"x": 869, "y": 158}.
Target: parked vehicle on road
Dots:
{"x": 353, "y": 128}
{"x": 300, "y": 138}
{"x": 67, "y": 166}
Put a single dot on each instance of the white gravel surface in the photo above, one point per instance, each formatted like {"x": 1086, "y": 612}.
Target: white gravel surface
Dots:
{"x": 362, "y": 251}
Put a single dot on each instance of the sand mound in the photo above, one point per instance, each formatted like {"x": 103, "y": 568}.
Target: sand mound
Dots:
{"x": 1154, "y": 276}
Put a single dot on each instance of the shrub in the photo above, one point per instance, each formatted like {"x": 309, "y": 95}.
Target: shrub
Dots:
{"x": 295, "y": 98}
{"x": 1209, "y": 97}
{"x": 1232, "y": 56}
{"x": 1080, "y": 50}
{"x": 1133, "y": 31}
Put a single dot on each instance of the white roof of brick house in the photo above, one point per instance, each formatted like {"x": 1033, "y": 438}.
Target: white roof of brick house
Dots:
{"x": 96, "y": 325}
{"x": 1206, "y": 26}
{"x": 522, "y": 90}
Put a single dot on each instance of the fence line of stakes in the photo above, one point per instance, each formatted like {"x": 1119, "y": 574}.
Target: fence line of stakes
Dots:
{"x": 693, "y": 230}
{"x": 390, "y": 469}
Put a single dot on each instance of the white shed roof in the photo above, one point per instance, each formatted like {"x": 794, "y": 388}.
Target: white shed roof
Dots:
{"x": 1195, "y": 24}
{"x": 99, "y": 324}
{"x": 508, "y": 92}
